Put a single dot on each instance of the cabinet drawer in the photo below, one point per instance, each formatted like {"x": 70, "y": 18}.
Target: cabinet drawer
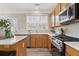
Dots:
{"x": 69, "y": 50}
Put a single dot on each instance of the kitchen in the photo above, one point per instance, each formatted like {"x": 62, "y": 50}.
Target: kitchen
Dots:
{"x": 40, "y": 29}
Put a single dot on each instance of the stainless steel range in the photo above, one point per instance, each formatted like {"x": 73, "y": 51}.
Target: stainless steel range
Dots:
{"x": 58, "y": 43}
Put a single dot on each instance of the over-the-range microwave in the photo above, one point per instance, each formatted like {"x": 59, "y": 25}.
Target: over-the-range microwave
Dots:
{"x": 69, "y": 14}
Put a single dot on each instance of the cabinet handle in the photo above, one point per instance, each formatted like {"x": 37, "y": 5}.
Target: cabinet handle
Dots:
{"x": 23, "y": 45}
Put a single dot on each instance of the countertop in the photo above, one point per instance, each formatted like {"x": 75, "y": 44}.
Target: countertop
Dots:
{"x": 11, "y": 41}
{"x": 74, "y": 45}
{"x": 31, "y": 33}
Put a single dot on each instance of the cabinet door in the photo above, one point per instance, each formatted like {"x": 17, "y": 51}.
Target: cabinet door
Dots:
{"x": 46, "y": 41}
{"x": 33, "y": 41}
{"x": 50, "y": 21}
{"x": 71, "y": 51}
{"x": 49, "y": 45}
{"x": 21, "y": 48}
{"x": 39, "y": 41}
{"x": 57, "y": 11}
{"x": 63, "y": 6}
{"x": 53, "y": 19}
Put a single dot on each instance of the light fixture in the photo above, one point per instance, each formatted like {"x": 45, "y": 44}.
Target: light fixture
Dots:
{"x": 36, "y": 6}
{"x": 36, "y": 9}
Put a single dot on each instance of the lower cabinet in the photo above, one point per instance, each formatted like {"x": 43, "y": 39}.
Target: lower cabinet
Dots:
{"x": 49, "y": 45}
{"x": 39, "y": 41}
{"x": 69, "y": 51}
{"x": 18, "y": 49}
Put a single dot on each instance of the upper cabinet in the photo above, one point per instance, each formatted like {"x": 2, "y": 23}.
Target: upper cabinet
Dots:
{"x": 57, "y": 9}
{"x": 49, "y": 21}
{"x": 56, "y": 12}
{"x": 51, "y": 18}
{"x": 63, "y": 6}
{"x": 54, "y": 18}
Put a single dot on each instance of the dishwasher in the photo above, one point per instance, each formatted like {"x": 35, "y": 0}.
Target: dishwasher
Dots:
{"x": 28, "y": 40}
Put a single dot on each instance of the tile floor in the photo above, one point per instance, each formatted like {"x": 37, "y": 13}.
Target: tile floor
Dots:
{"x": 38, "y": 52}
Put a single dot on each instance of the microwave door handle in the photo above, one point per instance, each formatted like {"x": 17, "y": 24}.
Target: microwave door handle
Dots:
{"x": 68, "y": 13}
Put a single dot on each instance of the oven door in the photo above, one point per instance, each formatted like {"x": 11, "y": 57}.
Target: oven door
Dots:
{"x": 55, "y": 51}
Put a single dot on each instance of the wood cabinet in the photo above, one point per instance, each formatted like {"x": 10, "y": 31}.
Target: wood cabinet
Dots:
{"x": 57, "y": 9}
{"x": 19, "y": 47}
{"x": 49, "y": 21}
{"x": 63, "y": 6}
{"x": 53, "y": 19}
{"x": 69, "y": 51}
{"x": 33, "y": 41}
{"x": 39, "y": 41}
{"x": 49, "y": 45}
{"x": 56, "y": 19}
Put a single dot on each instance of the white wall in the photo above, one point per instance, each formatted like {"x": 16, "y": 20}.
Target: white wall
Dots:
{"x": 72, "y": 30}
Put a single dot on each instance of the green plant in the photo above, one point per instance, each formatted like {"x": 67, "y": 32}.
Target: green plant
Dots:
{"x": 5, "y": 24}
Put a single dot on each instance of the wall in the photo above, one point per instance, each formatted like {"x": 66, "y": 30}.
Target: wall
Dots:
{"x": 71, "y": 30}
{"x": 21, "y": 21}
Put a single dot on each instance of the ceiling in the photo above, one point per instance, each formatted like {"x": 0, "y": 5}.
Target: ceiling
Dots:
{"x": 25, "y": 7}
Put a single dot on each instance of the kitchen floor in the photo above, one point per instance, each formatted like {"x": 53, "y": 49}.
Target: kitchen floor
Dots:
{"x": 38, "y": 52}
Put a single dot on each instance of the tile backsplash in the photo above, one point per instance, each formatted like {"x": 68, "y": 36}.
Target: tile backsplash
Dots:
{"x": 71, "y": 30}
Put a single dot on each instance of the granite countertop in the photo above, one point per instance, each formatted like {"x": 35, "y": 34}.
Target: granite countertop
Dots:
{"x": 11, "y": 41}
{"x": 74, "y": 45}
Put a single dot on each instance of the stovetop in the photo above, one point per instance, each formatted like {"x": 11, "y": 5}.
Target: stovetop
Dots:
{"x": 66, "y": 38}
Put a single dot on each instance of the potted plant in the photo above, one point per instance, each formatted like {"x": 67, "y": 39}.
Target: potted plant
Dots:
{"x": 5, "y": 24}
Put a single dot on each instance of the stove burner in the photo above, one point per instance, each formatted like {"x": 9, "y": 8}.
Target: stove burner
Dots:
{"x": 66, "y": 38}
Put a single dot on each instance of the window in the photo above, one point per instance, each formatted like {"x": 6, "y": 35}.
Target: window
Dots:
{"x": 37, "y": 23}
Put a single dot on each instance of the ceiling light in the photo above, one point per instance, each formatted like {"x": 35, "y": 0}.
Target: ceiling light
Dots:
{"x": 36, "y": 9}
{"x": 36, "y": 6}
